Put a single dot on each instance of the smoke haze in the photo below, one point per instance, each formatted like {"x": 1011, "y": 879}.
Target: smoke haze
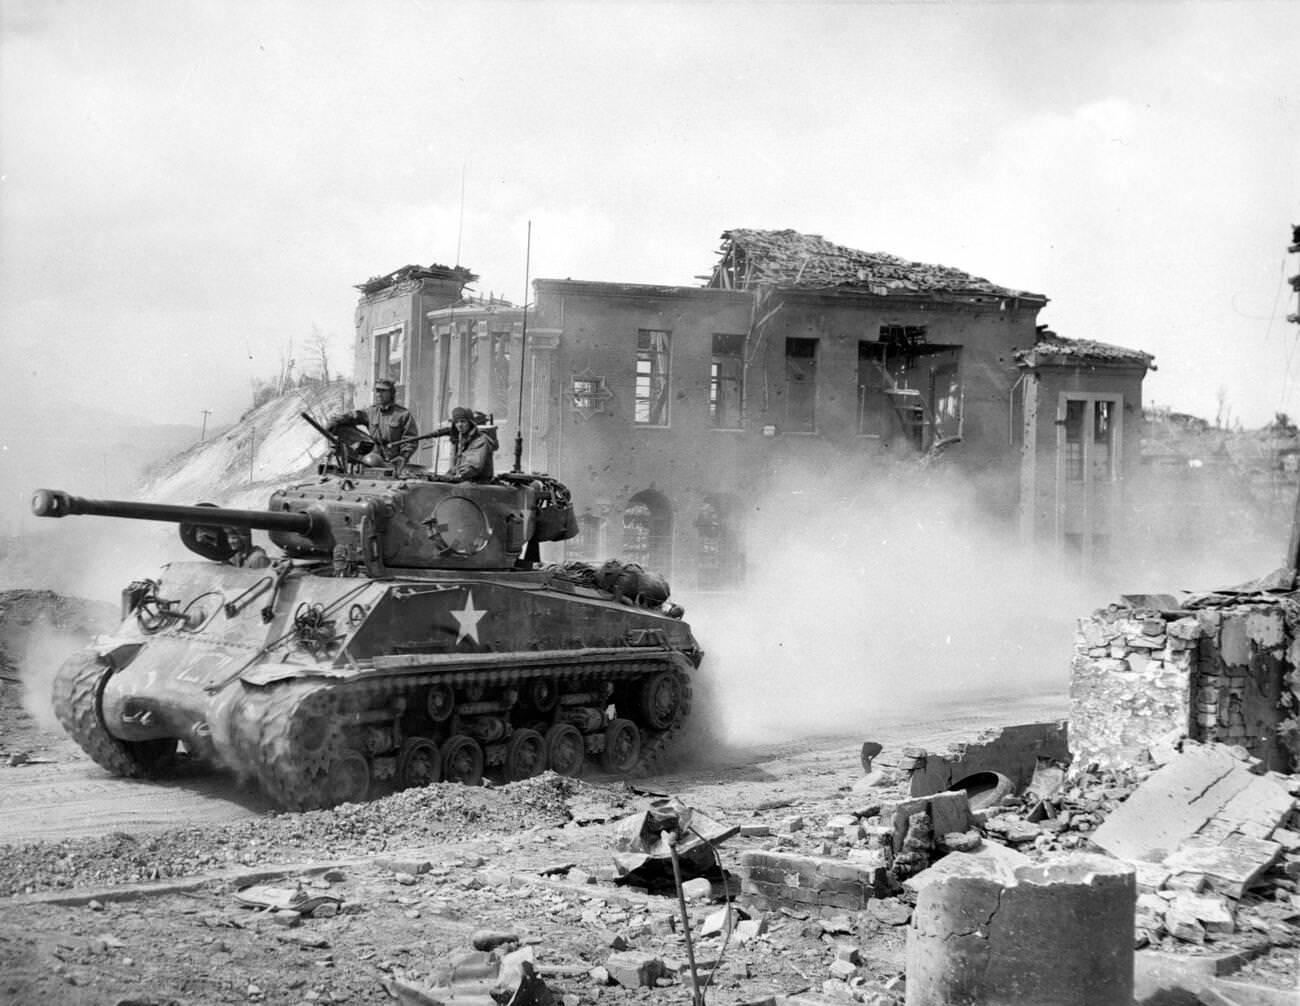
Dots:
{"x": 902, "y": 597}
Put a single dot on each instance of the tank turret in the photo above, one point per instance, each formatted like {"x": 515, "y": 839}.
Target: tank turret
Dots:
{"x": 373, "y": 520}
{"x": 407, "y": 634}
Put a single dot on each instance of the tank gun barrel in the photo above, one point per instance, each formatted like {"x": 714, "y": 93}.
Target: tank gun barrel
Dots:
{"x": 56, "y": 503}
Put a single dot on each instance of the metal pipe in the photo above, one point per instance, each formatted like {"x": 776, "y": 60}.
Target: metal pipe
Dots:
{"x": 697, "y": 995}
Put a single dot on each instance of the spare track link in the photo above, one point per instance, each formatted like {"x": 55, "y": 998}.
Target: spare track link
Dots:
{"x": 289, "y": 732}
{"x": 76, "y": 693}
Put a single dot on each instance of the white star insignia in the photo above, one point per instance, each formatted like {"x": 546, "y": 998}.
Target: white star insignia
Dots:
{"x": 468, "y": 617}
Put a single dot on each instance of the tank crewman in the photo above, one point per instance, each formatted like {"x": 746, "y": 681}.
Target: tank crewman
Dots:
{"x": 243, "y": 551}
{"x": 387, "y": 422}
{"x": 472, "y": 446}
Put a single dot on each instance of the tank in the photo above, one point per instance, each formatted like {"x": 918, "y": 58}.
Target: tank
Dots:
{"x": 406, "y": 634}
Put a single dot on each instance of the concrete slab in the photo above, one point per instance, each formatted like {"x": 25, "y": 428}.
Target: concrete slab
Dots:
{"x": 1161, "y": 978}
{"x": 1229, "y": 865}
{"x": 1174, "y": 803}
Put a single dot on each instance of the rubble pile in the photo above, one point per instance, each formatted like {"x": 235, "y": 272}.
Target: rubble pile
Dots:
{"x": 1216, "y": 849}
{"x": 409, "y": 818}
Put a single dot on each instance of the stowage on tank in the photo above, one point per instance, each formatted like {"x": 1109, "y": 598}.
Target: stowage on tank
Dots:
{"x": 408, "y": 634}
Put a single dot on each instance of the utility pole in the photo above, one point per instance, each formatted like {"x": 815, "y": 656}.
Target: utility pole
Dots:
{"x": 203, "y": 433}
{"x": 1293, "y": 546}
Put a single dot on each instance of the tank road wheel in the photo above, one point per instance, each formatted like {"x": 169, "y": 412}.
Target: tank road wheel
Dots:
{"x": 419, "y": 763}
{"x": 440, "y": 703}
{"x": 348, "y": 780}
{"x": 525, "y": 755}
{"x": 565, "y": 750}
{"x": 77, "y": 691}
{"x": 660, "y": 699}
{"x": 542, "y": 694}
{"x": 622, "y": 747}
{"x": 462, "y": 760}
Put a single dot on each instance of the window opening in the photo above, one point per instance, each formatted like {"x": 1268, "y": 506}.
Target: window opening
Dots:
{"x": 1072, "y": 456}
{"x": 499, "y": 394}
{"x": 389, "y": 355}
{"x": 873, "y": 382}
{"x": 801, "y": 385}
{"x": 903, "y": 339}
{"x": 1103, "y": 434}
{"x": 589, "y": 393}
{"x": 652, "y": 362}
{"x": 726, "y": 382}
{"x": 945, "y": 401}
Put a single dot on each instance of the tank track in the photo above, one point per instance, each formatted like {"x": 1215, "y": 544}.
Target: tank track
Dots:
{"x": 290, "y": 735}
{"x": 76, "y": 691}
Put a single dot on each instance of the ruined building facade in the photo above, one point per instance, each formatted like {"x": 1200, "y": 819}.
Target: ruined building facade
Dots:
{"x": 668, "y": 410}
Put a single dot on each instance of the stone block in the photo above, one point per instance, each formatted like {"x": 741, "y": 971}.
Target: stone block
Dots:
{"x": 842, "y": 970}
{"x": 1213, "y": 913}
{"x": 634, "y": 969}
{"x": 409, "y": 866}
{"x": 949, "y": 812}
{"x": 1228, "y": 865}
{"x": 848, "y": 952}
{"x": 777, "y": 878}
{"x": 749, "y": 929}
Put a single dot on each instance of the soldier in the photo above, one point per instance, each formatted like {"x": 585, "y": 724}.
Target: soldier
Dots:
{"x": 472, "y": 446}
{"x": 387, "y": 422}
{"x": 245, "y": 553}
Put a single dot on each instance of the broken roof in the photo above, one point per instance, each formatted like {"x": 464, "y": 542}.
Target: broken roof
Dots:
{"x": 751, "y": 258}
{"x": 1053, "y": 348}
{"x": 376, "y": 283}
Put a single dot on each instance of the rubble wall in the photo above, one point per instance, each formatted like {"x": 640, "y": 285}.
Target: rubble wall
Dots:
{"x": 1226, "y": 672}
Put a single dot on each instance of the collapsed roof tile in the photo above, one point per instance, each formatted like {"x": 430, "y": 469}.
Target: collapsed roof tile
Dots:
{"x": 1052, "y": 348}
{"x": 788, "y": 259}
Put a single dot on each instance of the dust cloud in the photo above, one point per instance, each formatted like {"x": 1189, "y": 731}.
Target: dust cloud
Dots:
{"x": 46, "y": 650}
{"x": 89, "y": 559}
{"x": 904, "y": 598}
{"x": 876, "y": 604}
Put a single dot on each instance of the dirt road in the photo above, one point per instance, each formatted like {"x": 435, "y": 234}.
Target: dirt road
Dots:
{"x": 71, "y": 797}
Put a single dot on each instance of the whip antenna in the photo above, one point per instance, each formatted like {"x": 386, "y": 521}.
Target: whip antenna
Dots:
{"x": 523, "y": 354}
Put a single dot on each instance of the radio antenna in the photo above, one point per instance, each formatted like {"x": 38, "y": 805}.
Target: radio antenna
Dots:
{"x": 460, "y": 226}
{"x": 523, "y": 354}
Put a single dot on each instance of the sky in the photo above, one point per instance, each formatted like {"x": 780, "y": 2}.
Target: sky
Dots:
{"x": 190, "y": 189}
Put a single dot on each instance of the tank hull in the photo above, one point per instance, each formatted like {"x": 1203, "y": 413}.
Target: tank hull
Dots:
{"x": 329, "y": 689}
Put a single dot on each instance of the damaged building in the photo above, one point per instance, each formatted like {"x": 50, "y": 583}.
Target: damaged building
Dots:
{"x": 666, "y": 408}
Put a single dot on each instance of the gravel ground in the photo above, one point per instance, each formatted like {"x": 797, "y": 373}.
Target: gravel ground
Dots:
{"x": 434, "y": 815}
